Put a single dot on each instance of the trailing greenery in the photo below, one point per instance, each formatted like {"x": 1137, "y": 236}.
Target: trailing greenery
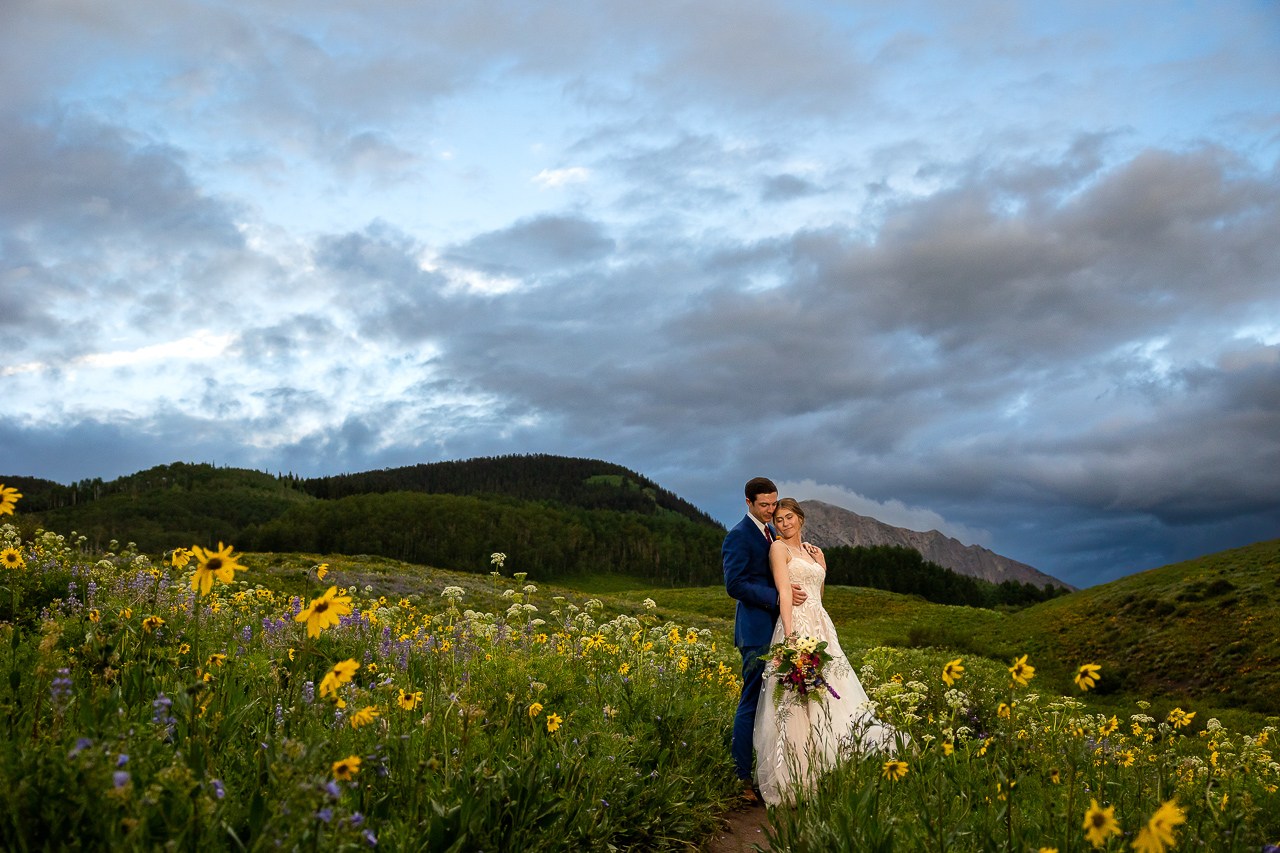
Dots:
{"x": 584, "y": 483}
{"x": 457, "y": 532}
{"x": 899, "y": 569}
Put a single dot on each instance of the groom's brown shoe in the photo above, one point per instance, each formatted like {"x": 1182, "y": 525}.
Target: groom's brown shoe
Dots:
{"x": 751, "y": 795}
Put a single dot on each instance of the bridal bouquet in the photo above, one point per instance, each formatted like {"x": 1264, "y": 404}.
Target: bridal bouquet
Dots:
{"x": 799, "y": 665}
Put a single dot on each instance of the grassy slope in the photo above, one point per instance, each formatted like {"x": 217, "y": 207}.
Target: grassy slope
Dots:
{"x": 1204, "y": 628}
{"x": 1201, "y": 633}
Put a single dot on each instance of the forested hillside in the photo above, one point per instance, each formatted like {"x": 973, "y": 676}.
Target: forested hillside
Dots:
{"x": 555, "y": 517}
{"x": 165, "y": 507}
{"x": 899, "y": 569}
{"x": 585, "y": 483}
{"x": 459, "y": 532}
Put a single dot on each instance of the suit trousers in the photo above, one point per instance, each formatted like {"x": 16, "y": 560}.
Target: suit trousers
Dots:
{"x": 744, "y": 721}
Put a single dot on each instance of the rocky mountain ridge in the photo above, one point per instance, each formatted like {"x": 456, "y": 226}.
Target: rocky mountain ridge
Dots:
{"x": 829, "y": 526}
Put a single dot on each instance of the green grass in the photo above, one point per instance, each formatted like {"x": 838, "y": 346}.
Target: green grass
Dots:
{"x": 1200, "y": 633}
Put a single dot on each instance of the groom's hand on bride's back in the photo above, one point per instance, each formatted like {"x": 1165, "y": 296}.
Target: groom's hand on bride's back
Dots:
{"x": 798, "y": 595}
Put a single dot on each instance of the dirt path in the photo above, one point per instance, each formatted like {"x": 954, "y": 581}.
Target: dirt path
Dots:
{"x": 746, "y": 827}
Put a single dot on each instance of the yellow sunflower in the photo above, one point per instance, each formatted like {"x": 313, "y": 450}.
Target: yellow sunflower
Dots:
{"x": 1087, "y": 676}
{"x": 11, "y": 558}
{"x": 219, "y": 564}
{"x": 894, "y": 770}
{"x": 1021, "y": 671}
{"x": 409, "y": 701}
{"x": 8, "y": 499}
{"x": 1099, "y": 823}
{"x": 336, "y": 677}
{"x": 363, "y": 717}
{"x": 553, "y": 723}
{"x": 346, "y": 768}
{"x": 952, "y": 671}
{"x": 324, "y": 612}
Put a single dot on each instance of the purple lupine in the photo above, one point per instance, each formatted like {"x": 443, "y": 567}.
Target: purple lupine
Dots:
{"x": 60, "y": 689}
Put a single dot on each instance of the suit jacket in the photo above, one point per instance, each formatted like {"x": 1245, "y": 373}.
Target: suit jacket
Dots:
{"x": 748, "y": 579}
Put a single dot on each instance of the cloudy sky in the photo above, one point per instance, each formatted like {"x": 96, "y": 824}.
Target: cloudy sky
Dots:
{"x": 1009, "y": 270}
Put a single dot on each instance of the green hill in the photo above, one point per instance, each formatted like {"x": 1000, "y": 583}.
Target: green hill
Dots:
{"x": 571, "y": 481}
{"x": 165, "y": 507}
{"x": 459, "y": 532}
{"x": 1207, "y": 628}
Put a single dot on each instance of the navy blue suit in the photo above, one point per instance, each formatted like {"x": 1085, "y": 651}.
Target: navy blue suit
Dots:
{"x": 749, "y": 580}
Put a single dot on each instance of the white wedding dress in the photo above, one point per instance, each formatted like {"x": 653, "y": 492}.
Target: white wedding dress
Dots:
{"x": 797, "y": 742}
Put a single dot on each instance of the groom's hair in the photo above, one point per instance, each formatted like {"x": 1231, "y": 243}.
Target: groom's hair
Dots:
{"x": 759, "y": 486}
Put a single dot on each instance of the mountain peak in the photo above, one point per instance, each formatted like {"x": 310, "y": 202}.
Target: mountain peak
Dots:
{"x": 829, "y": 526}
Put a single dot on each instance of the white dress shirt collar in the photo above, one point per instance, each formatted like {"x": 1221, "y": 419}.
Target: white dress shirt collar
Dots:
{"x": 759, "y": 524}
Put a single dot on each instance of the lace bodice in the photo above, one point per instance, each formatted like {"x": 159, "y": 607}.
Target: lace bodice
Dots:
{"x": 804, "y": 571}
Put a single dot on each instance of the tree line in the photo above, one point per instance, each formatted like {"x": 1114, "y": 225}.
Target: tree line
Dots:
{"x": 459, "y": 532}
{"x": 896, "y": 568}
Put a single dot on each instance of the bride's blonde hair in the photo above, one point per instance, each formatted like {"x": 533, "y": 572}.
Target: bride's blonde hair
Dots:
{"x": 793, "y": 505}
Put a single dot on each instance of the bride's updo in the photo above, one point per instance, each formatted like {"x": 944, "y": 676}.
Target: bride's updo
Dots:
{"x": 793, "y": 505}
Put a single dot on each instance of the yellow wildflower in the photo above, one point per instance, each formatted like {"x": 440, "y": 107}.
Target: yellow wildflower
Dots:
{"x": 1163, "y": 822}
{"x": 1180, "y": 718}
{"x": 894, "y": 770}
{"x": 952, "y": 672}
{"x": 1125, "y": 758}
{"x": 336, "y": 677}
{"x": 947, "y": 747}
{"x": 11, "y": 558}
{"x": 553, "y": 723}
{"x": 1087, "y": 676}
{"x": 1021, "y": 671}
{"x": 324, "y": 612}
{"x": 1055, "y": 777}
{"x": 220, "y": 564}
{"x": 409, "y": 701}
{"x": 346, "y": 768}
{"x": 363, "y": 717}
{"x": 151, "y": 623}
{"x": 1099, "y": 823}
{"x": 1003, "y": 711}
{"x": 321, "y": 571}
{"x": 183, "y": 649}
{"x": 180, "y": 557}
{"x": 95, "y": 615}
{"x": 535, "y": 709}
{"x": 1048, "y": 850}
{"x": 126, "y": 613}
{"x": 1109, "y": 727}
{"x": 215, "y": 660}
{"x": 624, "y": 669}
{"x": 8, "y": 499}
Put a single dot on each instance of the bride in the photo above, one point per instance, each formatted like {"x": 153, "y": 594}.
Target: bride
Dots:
{"x": 796, "y": 741}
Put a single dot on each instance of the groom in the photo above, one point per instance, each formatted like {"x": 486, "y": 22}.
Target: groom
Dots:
{"x": 748, "y": 578}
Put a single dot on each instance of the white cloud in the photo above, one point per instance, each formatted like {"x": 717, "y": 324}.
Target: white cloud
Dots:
{"x": 550, "y": 178}
{"x": 199, "y": 345}
{"x": 893, "y": 512}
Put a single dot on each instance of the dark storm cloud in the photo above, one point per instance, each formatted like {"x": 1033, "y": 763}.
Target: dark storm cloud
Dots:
{"x": 534, "y": 245}
{"x": 990, "y": 349}
{"x": 78, "y": 181}
{"x": 786, "y": 188}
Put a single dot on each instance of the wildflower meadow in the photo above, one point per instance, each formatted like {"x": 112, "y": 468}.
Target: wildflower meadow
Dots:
{"x": 163, "y": 701}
